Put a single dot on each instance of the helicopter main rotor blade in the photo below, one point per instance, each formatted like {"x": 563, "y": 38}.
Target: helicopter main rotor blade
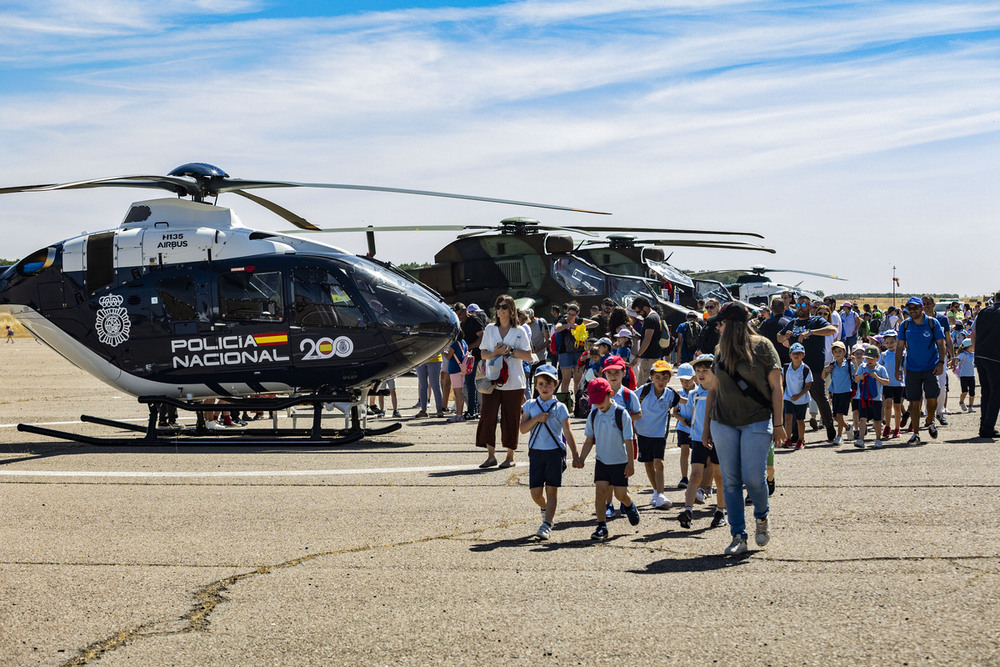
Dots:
{"x": 719, "y": 245}
{"x": 297, "y": 220}
{"x": 231, "y": 184}
{"x": 176, "y": 184}
{"x": 387, "y": 228}
{"x": 807, "y": 273}
{"x": 662, "y": 230}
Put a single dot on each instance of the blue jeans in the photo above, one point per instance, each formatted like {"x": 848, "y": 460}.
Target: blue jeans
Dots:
{"x": 743, "y": 459}
{"x": 471, "y": 395}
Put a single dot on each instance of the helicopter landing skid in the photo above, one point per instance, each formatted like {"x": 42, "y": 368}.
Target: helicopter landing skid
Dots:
{"x": 199, "y": 435}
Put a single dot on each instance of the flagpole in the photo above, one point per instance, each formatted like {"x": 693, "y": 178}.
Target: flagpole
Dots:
{"x": 893, "y": 286}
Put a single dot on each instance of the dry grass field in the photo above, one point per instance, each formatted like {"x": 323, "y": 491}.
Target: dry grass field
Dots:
{"x": 19, "y": 331}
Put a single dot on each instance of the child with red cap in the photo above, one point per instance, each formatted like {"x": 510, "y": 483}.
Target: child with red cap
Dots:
{"x": 609, "y": 433}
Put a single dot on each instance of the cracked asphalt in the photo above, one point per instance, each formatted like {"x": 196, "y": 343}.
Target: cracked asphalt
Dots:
{"x": 230, "y": 555}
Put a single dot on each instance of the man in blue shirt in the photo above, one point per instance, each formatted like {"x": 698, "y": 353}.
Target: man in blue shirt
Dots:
{"x": 923, "y": 341}
{"x": 949, "y": 344}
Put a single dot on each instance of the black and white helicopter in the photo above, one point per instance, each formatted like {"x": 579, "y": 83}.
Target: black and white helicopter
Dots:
{"x": 183, "y": 302}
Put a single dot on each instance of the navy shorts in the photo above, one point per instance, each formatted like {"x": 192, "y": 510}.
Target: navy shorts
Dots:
{"x": 841, "y": 403}
{"x": 968, "y": 385}
{"x": 545, "y": 467}
{"x": 568, "y": 359}
{"x": 650, "y": 448}
{"x": 894, "y": 394}
{"x": 871, "y": 412}
{"x": 797, "y": 411}
{"x": 926, "y": 381}
{"x": 614, "y": 474}
{"x": 702, "y": 454}
{"x": 683, "y": 438}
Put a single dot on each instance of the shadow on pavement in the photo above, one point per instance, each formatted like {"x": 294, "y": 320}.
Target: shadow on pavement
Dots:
{"x": 693, "y": 564}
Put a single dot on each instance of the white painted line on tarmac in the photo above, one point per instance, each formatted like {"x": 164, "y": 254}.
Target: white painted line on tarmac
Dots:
{"x": 234, "y": 473}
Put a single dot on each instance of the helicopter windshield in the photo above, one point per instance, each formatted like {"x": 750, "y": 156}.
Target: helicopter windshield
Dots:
{"x": 320, "y": 300}
{"x": 666, "y": 272}
{"x": 623, "y": 290}
{"x": 395, "y": 300}
{"x": 579, "y": 278}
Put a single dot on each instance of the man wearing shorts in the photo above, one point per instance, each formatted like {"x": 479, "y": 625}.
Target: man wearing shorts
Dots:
{"x": 922, "y": 339}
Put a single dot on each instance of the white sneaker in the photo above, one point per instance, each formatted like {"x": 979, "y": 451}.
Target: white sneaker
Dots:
{"x": 878, "y": 444}
{"x": 860, "y": 443}
{"x": 763, "y": 536}
{"x": 544, "y": 531}
{"x": 838, "y": 440}
{"x": 736, "y": 547}
{"x": 699, "y": 497}
{"x": 662, "y": 501}
{"x": 654, "y": 499}
{"x": 971, "y": 409}
{"x": 213, "y": 425}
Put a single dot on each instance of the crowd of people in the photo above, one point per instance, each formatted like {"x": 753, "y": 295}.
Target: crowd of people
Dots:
{"x": 747, "y": 380}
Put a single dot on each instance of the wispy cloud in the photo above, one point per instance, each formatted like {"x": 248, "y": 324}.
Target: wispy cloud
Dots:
{"x": 683, "y": 109}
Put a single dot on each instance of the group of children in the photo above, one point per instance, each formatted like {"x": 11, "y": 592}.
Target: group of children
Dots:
{"x": 623, "y": 425}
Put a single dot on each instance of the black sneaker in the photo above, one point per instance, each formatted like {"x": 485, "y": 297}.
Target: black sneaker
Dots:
{"x": 905, "y": 419}
{"x": 932, "y": 429}
{"x": 748, "y": 501}
{"x": 718, "y": 519}
{"x": 685, "y": 518}
{"x": 600, "y": 534}
{"x": 632, "y": 512}
{"x": 683, "y": 484}
{"x": 942, "y": 420}
{"x": 770, "y": 487}
{"x": 813, "y": 424}
{"x": 914, "y": 439}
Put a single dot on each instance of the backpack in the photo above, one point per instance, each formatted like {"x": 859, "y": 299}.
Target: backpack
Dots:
{"x": 554, "y": 343}
{"x": 692, "y": 335}
{"x": 629, "y": 381}
{"x": 666, "y": 340}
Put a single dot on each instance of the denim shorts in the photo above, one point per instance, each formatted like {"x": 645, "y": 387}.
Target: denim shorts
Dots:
{"x": 568, "y": 360}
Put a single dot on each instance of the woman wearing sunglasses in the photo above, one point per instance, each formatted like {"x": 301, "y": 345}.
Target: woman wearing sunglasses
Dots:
{"x": 503, "y": 338}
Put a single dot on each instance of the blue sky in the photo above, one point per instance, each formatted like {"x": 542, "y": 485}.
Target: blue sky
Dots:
{"x": 855, "y": 136}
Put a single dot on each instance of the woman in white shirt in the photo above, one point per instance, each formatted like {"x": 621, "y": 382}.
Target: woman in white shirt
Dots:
{"x": 503, "y": 338}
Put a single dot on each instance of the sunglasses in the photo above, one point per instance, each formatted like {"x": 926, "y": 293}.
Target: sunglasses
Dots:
{"x": 501, "y": 306}
{"x": 914, "y": 307}
{"x": 710, "y": 307}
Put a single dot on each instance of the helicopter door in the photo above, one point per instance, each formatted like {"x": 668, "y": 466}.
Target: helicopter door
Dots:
{"x": 100, "y": 260}
{"x": 327, "y": 324}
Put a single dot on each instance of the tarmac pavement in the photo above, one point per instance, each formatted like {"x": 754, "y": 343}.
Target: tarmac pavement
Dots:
{"x": 398, "y": 549}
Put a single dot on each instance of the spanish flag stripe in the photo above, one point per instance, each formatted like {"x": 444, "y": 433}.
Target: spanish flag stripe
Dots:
{"x": 271, "y": 339}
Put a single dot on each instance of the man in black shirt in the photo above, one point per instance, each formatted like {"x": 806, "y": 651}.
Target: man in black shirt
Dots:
{"x": 810, "y": 331}
{"x": 986, "y": 343}
{"x": 649, "y": 348}
{"x": 772, "y": 326}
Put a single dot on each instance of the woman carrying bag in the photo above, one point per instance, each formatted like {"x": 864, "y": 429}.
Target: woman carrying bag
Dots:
{"x": 506, "y": 343}
{"x": 745, "y": 409}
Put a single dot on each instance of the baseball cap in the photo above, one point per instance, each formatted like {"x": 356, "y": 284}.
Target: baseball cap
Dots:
{"x": 871, "y": 351}
{"x": 661, "y": 366}
{"x": 797, "y": 347}
{"x": 733, "y": 312}
{"x": 547, "y": 370}
{"x": 703, "y": 358}
{"x": 847, "y": 304}
{"x": 604, "y": 341}
{"x": 858, "y": 348}
{"x": 915, "y": 301}
{"x": 965, "y": 343}
{"x": 472, "y": 308}
{"x": 613, "y": 362}
{"x": 597, "y": 390}
{"x": 889, "y": 333}
{"x": 840, "y": 344}
{"x": 691, "y": 315}
{"x": 685, "y": 371}
{"x": 624, "y": 333}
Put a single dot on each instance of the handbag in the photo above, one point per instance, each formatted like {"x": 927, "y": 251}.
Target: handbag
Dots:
{"x": 487, "y": 374}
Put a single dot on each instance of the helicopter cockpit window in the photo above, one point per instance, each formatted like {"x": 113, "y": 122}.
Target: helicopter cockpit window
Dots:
{"x": 623, "y": 290}
{"x": 320, "y": 300}
{"x": 178, "y": 297}
{"x": 251, "y": 297}
{"x": 395, "y": 301}
{"x": 579, "y": 278}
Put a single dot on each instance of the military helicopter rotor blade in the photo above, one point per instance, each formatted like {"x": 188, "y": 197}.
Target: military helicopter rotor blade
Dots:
{"x": 661, "y": 230}
{"x": 718, "y": 245}
{"x": 176, "y": 184}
